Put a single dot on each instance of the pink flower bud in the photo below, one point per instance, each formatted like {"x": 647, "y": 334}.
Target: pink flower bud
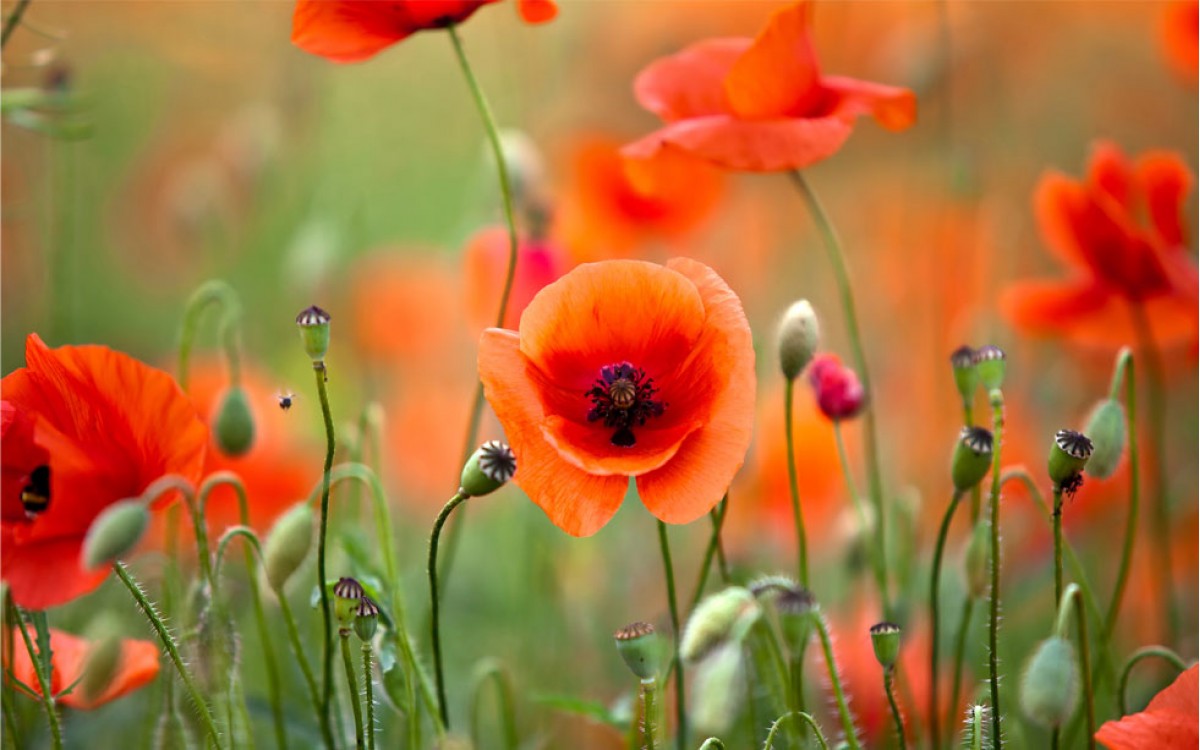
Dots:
{"x": 839, "y": 393}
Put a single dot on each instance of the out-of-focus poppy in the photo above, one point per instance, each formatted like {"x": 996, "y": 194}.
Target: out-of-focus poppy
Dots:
{"x": 620, "y": 369}
{"x": 1120, "y": 231}
{"x": 137, "y": 666}
{"x": 1170, "y": 722}
{"x": 347, "y": 31}
{"x": 1180, "y": 29}
{"x": 485, "y": 262}
{"x": 109, "y": 426}
{"x": 760, "y": 105}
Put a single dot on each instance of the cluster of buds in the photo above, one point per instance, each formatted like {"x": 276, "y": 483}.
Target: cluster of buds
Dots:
{"x": 354, "y": 609}
{"x": 974, "y": 367}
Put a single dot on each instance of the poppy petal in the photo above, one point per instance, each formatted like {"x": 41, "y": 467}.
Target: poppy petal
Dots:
{"x": 138, "y": 665}
{"x": 693, "y": 481}
{"x": 537, "y": 11}
{"x": 577, "y": 502}
{"x": 1169, "y": 721}
{"x": 689, "y": 83}
{"x": 344, "y": 32}
{"x": 48, "y": 573}
{"x": 778, "y": 74}
{"x": 893, "y": 107}
{"x": 1167, "y": 182}
{"x": 1108, "y": 172}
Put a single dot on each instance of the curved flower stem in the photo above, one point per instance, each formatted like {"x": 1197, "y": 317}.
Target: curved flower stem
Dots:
{"x": 680, "y": 703}
{"x": 996, "y": 398}
{"x": 714, "y": 544}
{"x": 793, "y": 485}
{"x": 13, "y": 20}
{"x": 176, "y": 483}
{"x": 172, "y": 650}
{"x": 648, "y": 693}
{"x": 352, "y": 689}
{"x": 369, "y": 697}
{"x": 875, "y": 483}
{"x": 1072, "y": 592}
{"x": 44, "y": 683}
{"x": 934, "y": 581}
{"x": 309, "y": 680}
{"x": 435, "y": 627}
{"x": 800, "y": 715}
{"x": 713, "y": 743}
{"x": 492, "y": 671}
{"x": 1124, "y": 371}
{"x": 960, "y": 650}
{"x": 212, "y": 292}
{"x": 1145, "y": 652}
{"x": 888, "y": 675}
{"x": 321, "y": 376}
{"x": 835, "y": 681}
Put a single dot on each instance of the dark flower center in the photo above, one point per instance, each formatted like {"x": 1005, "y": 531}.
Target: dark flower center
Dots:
{"x": 35, "y": 496}
{"x": 624, "y": 398}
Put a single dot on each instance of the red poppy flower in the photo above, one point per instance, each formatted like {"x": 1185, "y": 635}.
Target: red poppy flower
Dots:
{"x": 1170, "y": 722}
{"x": 137, "y": 666}
{"x": 839, "y": 393}
{"x": 625, "y": 368}
{"x": 1120, "y": 232}
{"x": 760, "y": 105}
{"x": 354, "y": 30}
{"x": 104, "y": 427}
{"x": 485, "y": 262}
{"x": 1180, "y": 31}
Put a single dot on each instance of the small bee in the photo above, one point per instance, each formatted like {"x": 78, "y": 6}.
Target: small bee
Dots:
{"x": 35, "y": 496}
{"x": 285, "y": 399}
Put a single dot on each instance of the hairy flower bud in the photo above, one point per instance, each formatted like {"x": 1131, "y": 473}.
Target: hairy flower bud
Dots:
{"x": 990, "y": 364}
{"x": 488, "y": 469}
{"x": 233, "y": 428}
{"x": 724, "y": 616}
{"x": 641, "y": 648}
{"x": 1106, "y": 428}
{"x": 798, "y": 338}
{"x": 116, "y": 531}
{"x": 288, "y": 544}
{"x": 972, "y": 458}
{"x": 1050, "y": 683}
{"x": 314, "y": 332}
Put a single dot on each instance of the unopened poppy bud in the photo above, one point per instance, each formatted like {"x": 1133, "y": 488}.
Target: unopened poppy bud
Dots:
{"x": 116, "y": 531}
{"x": 366, "y": 618}
{"x": 989, "y": 364}
{"x": 287, "y": 545}
{"x": 966, "y": 376}
{"x": 641, "y": 648}
{"x": 839, "y": 393}
{"x": 347, "y": 595}
{"x": 314, "y": 332}
{"x": 770, "y": 586}
{"x": 488, "y": 469}
{"x": 1068, "y": 455}
{"x": 885, "y": 639}
{"x": 101, "y": 665}
{"x": 1106, "y": 428}
{"x": 799, "y": 335}
{"x": 234, "y": 425}
{"x": 976, "y": 562}
{"x": 1050, "y": 683}
{"x": 724, "y": 616}
{"x": 717, "y": 690}
{"x": 972, "y": 458}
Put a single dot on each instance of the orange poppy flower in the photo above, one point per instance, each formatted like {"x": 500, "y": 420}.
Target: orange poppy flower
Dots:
{"x": 137, "y": 666}
{"x": 625, "y": 368}
{"x": 1120, "y": 231}
{"x": 485, "y": 261}
{"x": 106, "y": 426}
{"x": 760, "y": 105}
{"x": 1180, "y": 31}
{"x": 354, "y": 30}
{"x": 1170, "y": 722}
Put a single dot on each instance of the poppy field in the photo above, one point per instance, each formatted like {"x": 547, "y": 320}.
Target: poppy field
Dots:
{"x": 665, "y": 375}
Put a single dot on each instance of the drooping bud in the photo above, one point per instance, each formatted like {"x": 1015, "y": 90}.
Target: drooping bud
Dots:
{"x": 966, "y": 376}
{"x": 1068, "y": 455}
{"x": 798, "y": 337}
{"x": 233, "y": 428}
{"x": 972, "y": 458}
{"x": 1050, "y": 683}
{"x": 724, "y": 616}
{"x": 366, "y": 618}
{"x": 989, "y": 363}
{"x": 103, "y": 659}
{"x": 641, "y": 648}
{"x": 839, "y": 393}
{"x": 488, "y": 469}
{"x": 885, "y": 639}
{"x": 314, "y": 332}
{"x": 288, "y": 544}
{"x": 116, "y": 530}
{"x": 976, "y": 561}
{"x": 1106, "y": 428}
{"x": 347, "y": 595}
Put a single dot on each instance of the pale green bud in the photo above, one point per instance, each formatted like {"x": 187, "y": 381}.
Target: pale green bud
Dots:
{"x": 1106, "y": 428}
{"x": 288, "y": 544}
{"x": 234, "y": 425}
{"x": 114, "y": 533}
{"x": 798, "y": 338}
{"x": 724, "y": 616}
{"x": 1050, "y": 683}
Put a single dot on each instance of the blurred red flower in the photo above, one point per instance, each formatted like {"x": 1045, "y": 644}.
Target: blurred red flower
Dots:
{"x": 620, "y": 369}
{"x": 137, "y": 666}
{"x": 485, "y": 262}
{"x": 1120, "y": 231}
{"x": 347, "y": 31}
{"x": 1170, "y": 722}
{"x": 760, "y": 105}
{"x": 105, "y": 426}
{"x": 1180, "y": 28}
{"x": 839, "y": 393}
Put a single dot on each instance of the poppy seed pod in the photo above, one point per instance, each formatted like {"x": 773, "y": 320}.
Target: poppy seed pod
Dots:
{"x": 314, "y": 332}
{"x": 641, "y": 648}
{"x": 972, "y": 458}
{"x": 966, "y": 376}
{"x": 116, "y": 531}
{"x": 976, "y": 561}
{"x": 287, "y": 545}
{"x": 724, "y": 616}
{"x": 794, "y": 606}
{"x": 347, "y": 595}
{"x": 366, "y": 618}
{"x": 1106, "y": 428}
{"x": 233, "y": 428}
{"x": 990, "y": 365}
{"x": 1068, "y": 456}
{"x": 798, "y": 337}
{"x": 1050, "y": 683}
{"x": 488, "y": 469}
{"x": 885, "y": 639}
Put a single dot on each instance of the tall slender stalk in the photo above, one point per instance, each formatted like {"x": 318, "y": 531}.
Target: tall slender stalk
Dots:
{"x": 369, "y": 694}
{"x": 648, "y": 691}
{"x": 934, "y": 621}
{"x": 1056, "y": 514}
{"x": 44, "y": 683}
{"x": 435, "y": 627}
{"x": 13, "y": 20}
{"x": 1072, "y": 595}
{"x": 793, "y": 484}
{"x": 680, "y": 702}
{"x": 319, "y": 372}
{"x": 1124, "y": 371}
{"x": 352, "y": 688}
{"x": 835, "y": 681}
{"x": 298, "y": 648}
{"x": 960, "y": 650}
{"x": 495, "y": 673}
{"x": 888, "y": 678}
{"x": 996, "y": 398}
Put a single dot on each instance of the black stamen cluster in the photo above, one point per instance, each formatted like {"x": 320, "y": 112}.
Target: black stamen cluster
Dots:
{"x": 623, "y": 397}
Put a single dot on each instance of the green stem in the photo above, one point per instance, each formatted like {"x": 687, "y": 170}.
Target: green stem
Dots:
{"x": 977, "y": 727}
{"x": 713, "y": 743}
{"x": 845, "y": 292}
{"x": 800, "y": 715}
{"x": 302, "y": 658}
{"x": 714, "y": 543}
{"x": 212, "y": 292}
{"x": 369, "y": 686}
{"x": 1058, "y": 543}
{"x": 321, "y": 375}
{"x": 996, "y": 398}
{"x": 891, "y": 696}
{"x": 176, "y": 483}
{"x": 44, "y": 681}
{"x": 1125, "y": 371}
{"x": 13, "y": 20}
{"x": 352, "y": 689}
{"x": 680, "y": 702}
{"x": 493, "y": 672}
{"x": 835, "y": 681}
{"x": 793, "y": 484}
{"x": 172, "y": 650}
{"x": 1073, "y": 595}
{"x": 1145, "y": 652}
{"x": 435, "y": 627}
{"x": 649, "y": 711}
{"x": 934, "y": 619}
{"x": 864, "y": 520}
{"x": 960, "y": 650}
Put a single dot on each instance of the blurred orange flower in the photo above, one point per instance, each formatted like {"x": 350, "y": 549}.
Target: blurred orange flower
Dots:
{"x": 137, "y": 666}
{"x": 1170, "y": 722}
{"x": 760, "y": 105}
{"x": 1181, "y": 37}
{"x": 485, "y": 261}
{"x": 1120, "y": 231}
{"x": 347, "y": 31}
{"x": 625, "y": 368}
{"x": 106, "y": 426}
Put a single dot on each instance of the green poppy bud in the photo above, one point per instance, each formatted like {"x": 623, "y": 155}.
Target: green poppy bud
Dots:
{"x": 885, "y": 639}
{"x": 288, "y": 544}
{"x": 488, "y": 469}
{"x": 115, "y": 532}
{"x": 798, "y": 338}
{"x": 976, "y": 562}
{"x": 724, "y": 616}
{"x": 366, "y": 619}
{"x": 347, "y": 595}
{"x": 972, "y": 458}
{"x": 1068, "y": 455}
{"x": 103, "y": 659}
{"x": 717, "y": 690}
{"x": 233, "y": 428}
{"x": 314, "y": 332}
{"x": 966, "y": 377}
{"x": 989, "y": 363}
{"x": 1050, "y": 683}
{"x": 1106, "y": 428}
{"x": 641, "y": 648}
